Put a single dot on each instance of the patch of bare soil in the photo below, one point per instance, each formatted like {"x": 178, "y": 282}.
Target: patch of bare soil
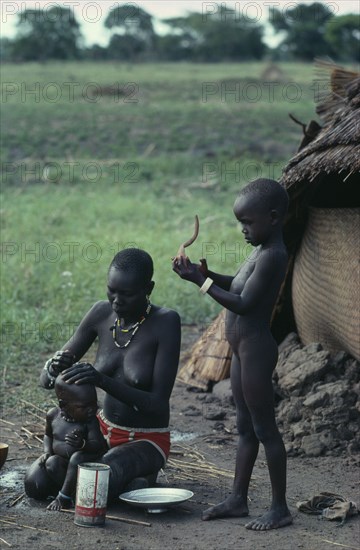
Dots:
{"x": 202, "y": 461}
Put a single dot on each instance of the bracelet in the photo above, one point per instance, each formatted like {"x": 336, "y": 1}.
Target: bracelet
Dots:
{"x": 62, "y": 495}
{"x": 51, "y": 378}
{"x": 205, "y": 287}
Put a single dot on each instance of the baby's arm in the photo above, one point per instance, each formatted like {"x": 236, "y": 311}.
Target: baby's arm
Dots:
{"x": 48, "y": 437}
{"x": 95, "y": 442}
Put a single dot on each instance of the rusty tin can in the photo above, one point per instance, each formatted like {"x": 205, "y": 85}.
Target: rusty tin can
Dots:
{"x": 91, "y": 494}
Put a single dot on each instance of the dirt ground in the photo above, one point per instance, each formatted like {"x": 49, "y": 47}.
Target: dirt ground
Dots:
{"x": 202, "y": 461}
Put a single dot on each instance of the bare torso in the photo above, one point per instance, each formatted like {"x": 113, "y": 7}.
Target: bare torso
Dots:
{"x": 133, "y": 365}
{"x": 60, "y": 429}
{"x": 255, "y": 324}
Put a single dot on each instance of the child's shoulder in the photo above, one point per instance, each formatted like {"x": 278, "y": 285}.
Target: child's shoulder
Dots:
{"x": 52, "y": 413}
{"x": 273, "y": 256}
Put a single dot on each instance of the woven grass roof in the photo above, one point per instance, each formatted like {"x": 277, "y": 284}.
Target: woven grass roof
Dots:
{"x": 336, "y": 148}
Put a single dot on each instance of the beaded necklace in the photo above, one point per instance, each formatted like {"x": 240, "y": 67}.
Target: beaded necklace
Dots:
{"x": 134, "y": 328}
{"x": 66, "y": 418}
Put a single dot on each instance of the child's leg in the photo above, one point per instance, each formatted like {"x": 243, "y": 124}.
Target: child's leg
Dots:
{"x": 258, "y": 363}
{"x": 248, "y": 446}
{"x": 66, "y": 495}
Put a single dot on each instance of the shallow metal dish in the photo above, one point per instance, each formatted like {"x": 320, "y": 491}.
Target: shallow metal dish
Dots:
{"x": 156, "y": 499}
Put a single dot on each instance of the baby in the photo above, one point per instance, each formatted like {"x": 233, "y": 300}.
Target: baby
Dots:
{"x": 72, "y": 436}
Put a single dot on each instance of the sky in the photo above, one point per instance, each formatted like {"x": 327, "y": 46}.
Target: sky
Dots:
{"x": 91, "y": 14}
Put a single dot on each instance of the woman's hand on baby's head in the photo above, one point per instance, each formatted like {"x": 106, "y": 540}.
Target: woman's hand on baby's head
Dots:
{"x": 81, "y": 373}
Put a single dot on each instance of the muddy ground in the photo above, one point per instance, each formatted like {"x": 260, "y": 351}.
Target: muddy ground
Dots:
{"x": 202, "y": 461}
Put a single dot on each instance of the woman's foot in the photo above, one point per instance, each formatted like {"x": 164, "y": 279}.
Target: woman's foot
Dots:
{"x": 137, "y": 483}
{"x": 271, "y": 520}
{"x": 233, "y": 506}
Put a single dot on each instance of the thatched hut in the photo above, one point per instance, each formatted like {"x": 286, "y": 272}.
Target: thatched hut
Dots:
{"x": 321, "y": 291}
{"x": 320, "y": 295}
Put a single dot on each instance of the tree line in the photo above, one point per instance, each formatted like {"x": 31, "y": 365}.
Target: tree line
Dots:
{"x": 307, "y": 31}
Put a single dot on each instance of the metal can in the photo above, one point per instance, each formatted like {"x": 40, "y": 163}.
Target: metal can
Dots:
{"x": 91, "y": 494}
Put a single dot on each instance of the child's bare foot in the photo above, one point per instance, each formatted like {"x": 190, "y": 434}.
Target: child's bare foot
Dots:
{"x": 233, "y": 506}
{"x": 271, "y": 520}
{"x": 59, "y": 502}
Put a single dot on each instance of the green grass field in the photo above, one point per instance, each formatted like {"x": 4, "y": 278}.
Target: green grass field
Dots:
{"x": 85, "y": 174}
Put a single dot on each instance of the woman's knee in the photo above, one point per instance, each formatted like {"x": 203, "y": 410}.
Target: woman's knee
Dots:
{"x": 128, "y": 462}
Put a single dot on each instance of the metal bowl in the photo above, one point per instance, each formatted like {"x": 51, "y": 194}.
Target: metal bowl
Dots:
{"x": 3, "y": 453}
{"x": 156, "y": 499}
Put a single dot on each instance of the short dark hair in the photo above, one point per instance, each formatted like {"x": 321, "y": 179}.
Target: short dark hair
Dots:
{"x": 136, "y": 261}
{"x": 77, "y": 391}
{"x": 270, "y": 192}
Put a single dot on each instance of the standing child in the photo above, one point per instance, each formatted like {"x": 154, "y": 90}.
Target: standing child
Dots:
{"x": 72, "y": 436}
{"x": 249, "y": 298}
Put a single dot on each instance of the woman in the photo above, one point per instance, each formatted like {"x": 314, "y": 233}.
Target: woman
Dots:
{"x": 136, "y": 365}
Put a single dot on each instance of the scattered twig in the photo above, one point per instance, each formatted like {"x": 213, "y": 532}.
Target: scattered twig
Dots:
{"x": 4, "y": 375}
{"x": 31, "y": 434}
{"x": 20, "y": 497}
{"x": 342, "y": 545}
{"x": 19, "y": 526}
{"x": 116, "y": 518}
{"x": 5, "y": 542}
{"x": 23, "y": 440}
{"x": 210, "y": 469}
{"x": 41, "y": 418}
{"x": 7, "y": 422}
{"x": 32, "y": 405}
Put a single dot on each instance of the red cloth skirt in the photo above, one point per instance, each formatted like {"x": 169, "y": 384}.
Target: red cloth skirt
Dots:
{"x": 118, "y": 435}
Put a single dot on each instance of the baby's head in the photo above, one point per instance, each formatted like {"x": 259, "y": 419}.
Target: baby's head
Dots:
{"x": 77, "y": 401}
{"x": 261, "y": 207}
